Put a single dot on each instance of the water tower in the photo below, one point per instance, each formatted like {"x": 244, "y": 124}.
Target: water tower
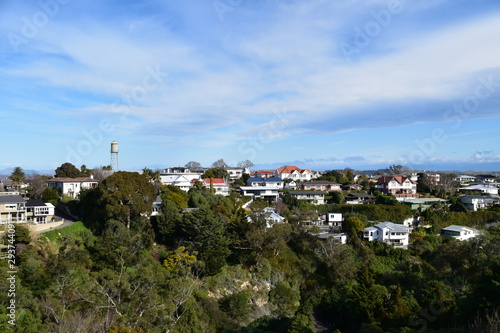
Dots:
{"x": 114, "y": 156}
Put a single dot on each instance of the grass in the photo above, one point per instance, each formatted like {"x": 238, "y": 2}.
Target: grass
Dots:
{"x": 77, "y": 230}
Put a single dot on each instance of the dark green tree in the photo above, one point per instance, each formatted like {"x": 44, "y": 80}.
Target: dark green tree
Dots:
{"x": 68, "y": 170}
{"x": 18, "y": 177}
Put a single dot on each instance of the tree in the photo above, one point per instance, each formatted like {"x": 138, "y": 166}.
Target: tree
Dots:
{"x": 37, "y": 186}
{"x": 84, "y": 171}
{"x": 219, "y": 164}
{"x": 216, "y": 173}
{"x": 193, "y": 166}
{"x": 18, "y": 177}
{"x": 154, "y": 177}
{"x": 68, "y": 170}
{"x": 123, "y": 196}
{"x": 245, "y": 164}
{"x": 395, "y": 169}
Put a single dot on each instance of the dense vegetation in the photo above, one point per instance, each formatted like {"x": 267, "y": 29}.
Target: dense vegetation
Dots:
{"x": 210, "y": 269}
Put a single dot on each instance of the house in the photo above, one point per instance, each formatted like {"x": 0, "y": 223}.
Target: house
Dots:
{"x": 340, "y": 238}
{"x": 290, "y": 185}
{"x": 422, "y": 204}
{"x": 268, "y": 215}
{"x": 388, "y": 232}
{"x": 38, "y": 211}
{"x": 359, "y": 198}
{"x": 262, "y": 174}
{"x": 352, "y": 187}
{"x": 334, "y": 220}
{"x": 487, "y": 178}
{"x": 321, "y": 185}
{"x": 72, "y": 186}
{"x": 179, "y": 177}
{"x": 314, "y": 197}
{"x": 156, "y": 206}
{"x": 399, "y": 186}
{"x": 12, "y": 208}
{"x": 459, "y": 232}
{"x": 220, "y": 185}
{"x": 256, "y": 192}
{"x": 237, "y": 173}
{"x": 266, "y": 182}
{"x": 465, "y": 179}
{"x": 294, "y": 173}
{"x": 487, "y": 189}
{"x": 476, "y": 202}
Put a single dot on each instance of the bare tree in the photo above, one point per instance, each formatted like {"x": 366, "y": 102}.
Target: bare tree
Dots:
{"x": 245, "y": 164}
{"x": 193, "y": 166}
{"x": 37, "y": 185}
{"x": 220, "y": 164}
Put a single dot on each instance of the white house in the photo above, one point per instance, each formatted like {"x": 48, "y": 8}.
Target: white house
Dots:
{"x": 476, "y": 202}
{"x": 179, "y": 177}
{"x": 322, "y": 185}
{"x": 72, "y": 186}
{"x": 334, "y": 220}
{"x": 314, "y": 197}
{"x": 38, "y": 211}
{"x": 459, "y": 232}
{"x": 269, "y": 215}
{"x": 256, "y": 192}
{"x": 294, "y": 173}
{"x": 237, "y": 173}
{"x": 388, "y": 232}
{"x": 465, "y": 179}
{"x": 220, "y": 185}
{"x": 490, "y": 189}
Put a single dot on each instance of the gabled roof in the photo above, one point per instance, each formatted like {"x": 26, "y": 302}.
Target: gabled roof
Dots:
{"x": 399, "y": 179}
{"x": 291, "y": 169}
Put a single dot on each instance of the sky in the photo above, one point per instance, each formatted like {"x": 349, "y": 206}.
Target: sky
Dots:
{"x": 320, "y": 84}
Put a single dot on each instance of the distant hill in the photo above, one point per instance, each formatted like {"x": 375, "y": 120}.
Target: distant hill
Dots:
{"x": 8, "y": 172}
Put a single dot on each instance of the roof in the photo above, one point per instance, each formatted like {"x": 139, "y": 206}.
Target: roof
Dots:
{"x": 267, "y": 180}
{"x": 320, "y": 182}
{"x": 35, "y": 203}
{"x": 393, "y": 226}
{"x": 72, "y": 180}
{"x": 11, "y": 199}
{"x": 215, "y": 181}
{"x": 307, "y": 192}
{"x": 290, "y": 169}
{"x": 457, "y": 228}
{"x": 399, "y": 179}
{"x": 262, "y": 172}
{"x": 258, "y": 188}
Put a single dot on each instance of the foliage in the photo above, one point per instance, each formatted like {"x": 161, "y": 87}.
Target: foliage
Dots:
{"x": 216, "y": 173}
{"x": 17, "y": 176}
{"x": 68, "y": 170}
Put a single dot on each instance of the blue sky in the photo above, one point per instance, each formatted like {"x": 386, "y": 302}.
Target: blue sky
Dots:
{"x": 320, "y": 84}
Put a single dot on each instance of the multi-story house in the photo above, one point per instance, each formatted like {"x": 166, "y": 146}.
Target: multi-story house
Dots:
{"x": 262, "y": 174}
{"x": 399, "y": 186}
{"x": 487, "y": 189}
{"x": 476, "y": 202}
{"x": 266, "y": 182}
{"x": 38, "y": 211}
{"x": 179, "y": 177}
{"x": 314, "y": 197}
{"x": 256, "y": 192}
{"x": 72, "y": 186}
{"x": 388, "y": 232}
{"x": 459, "y": 232}
{"x": 237, "y": 173}
{"x": 220, "y": 185}
{"x": 12, "y": 208}
{"x": 294, "y": 173}
{"x": 321, "y": 185}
